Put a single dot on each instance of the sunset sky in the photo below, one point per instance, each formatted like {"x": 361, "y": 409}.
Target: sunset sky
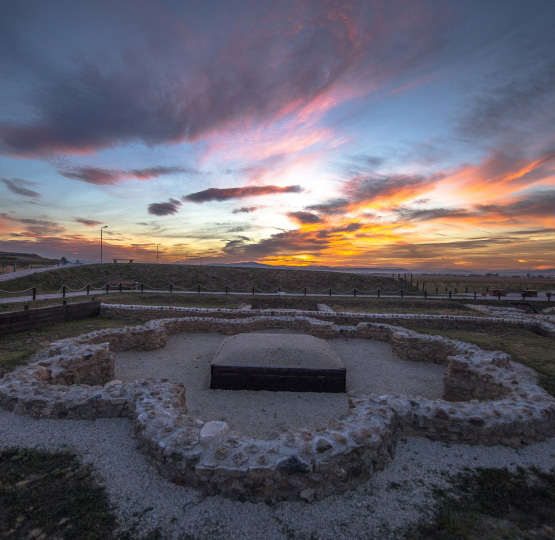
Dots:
{"x": 415, "y": 134}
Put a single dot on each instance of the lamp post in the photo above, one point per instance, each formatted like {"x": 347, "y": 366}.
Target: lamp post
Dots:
{"x": 157, "y": 253}
{"x": 186, "y": 253}
{"x": 101, "y": 242}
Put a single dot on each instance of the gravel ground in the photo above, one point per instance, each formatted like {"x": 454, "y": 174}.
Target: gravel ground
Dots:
{"x": 382, "y": 508}
{"x": 371, "y": 367}
{"x": 393, "y": 499}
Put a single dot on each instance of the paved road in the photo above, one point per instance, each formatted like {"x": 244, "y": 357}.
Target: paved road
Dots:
{"x": 29, "y": 271}
{"x": 461, "y": 296}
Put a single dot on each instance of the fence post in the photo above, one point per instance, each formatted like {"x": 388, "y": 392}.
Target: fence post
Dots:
{"x": 330, "y": 291}
{"x": 171, "y": 287}
{"x": 305, "y": 291}
{"x": 63, "y": 291}
{"x": 279, "y": 288}
{"x": 449, "y": 295}
{"x": 499, "y": 295}
{"x": 523, "y": 296}
{"x": 107, "y": 287}
{"x": 88, "y": 289}
{"x": 34, "y": 293}
{"x": 226, "y": 289}
{"x": 549, "y": 296}
{"x": 455, "y": 290}
{"x": 142, "y": 286}
{"x": 474, "y": 295}
{"x": 199, "y": 289}
{"x": 466, "y": 290}
{"x": 120, "y": 286}
{"x": 402, "y": 293}
{"x": 253, "y": 291}
{"x": 378, "y": 292}
{"x": 417, "y": 283}
{"x": 437, "y": 290}
{"x": 354, "y": 292}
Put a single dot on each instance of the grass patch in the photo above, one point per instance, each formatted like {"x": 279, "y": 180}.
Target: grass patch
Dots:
{"x": 179, "y": 300}
{"x": 17, "y": 349}
{"x": 51, "y": 496}
{"x": 400, "y": 305}
{"x": 493, "y": 504}
{"x": 524, "y": 346}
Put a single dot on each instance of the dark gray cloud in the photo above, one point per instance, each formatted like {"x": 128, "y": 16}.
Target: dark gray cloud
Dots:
{"x": 225, "y": 194}
{"x": 245, "y": 209}
{"x": 100, "y": 176}
{"x": 88, "y": 222}
{"x": 18, "y": 186}
{"x": 305, "y": 217}
{"x": 351, "y": 227}
{"x": 416, "y": 214}
{"x": 330, "y": 208}
{"x": 283, "y": 243}
{"x": 164, "y": 209}
{"x": 540, "y": 203}
{"x": 371, "y": 187}
{"x": 35, "y": 227}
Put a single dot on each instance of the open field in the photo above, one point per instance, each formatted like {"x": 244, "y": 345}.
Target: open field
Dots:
{"x": 481, "y": 283}
{"x": 217, "y": 278}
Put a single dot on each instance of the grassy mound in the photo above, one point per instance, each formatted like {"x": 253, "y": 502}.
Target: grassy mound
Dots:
{"x": 159, "y": 276}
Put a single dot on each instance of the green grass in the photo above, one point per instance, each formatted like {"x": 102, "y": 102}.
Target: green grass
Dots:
{"x": 17, "y": 349}
{"x": 523, "y": 345}
{"x": 493, "y": 504}
{"x": 400, "y": 305}
{"x": 51, "y": 496}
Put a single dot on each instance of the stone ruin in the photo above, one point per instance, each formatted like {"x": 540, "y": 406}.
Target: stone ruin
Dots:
{"x": 486, "y": 401}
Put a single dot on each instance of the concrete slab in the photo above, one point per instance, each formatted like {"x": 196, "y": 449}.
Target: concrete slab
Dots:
{"x": 279, "y": 362}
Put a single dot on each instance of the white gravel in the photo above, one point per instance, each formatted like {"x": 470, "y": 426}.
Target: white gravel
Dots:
{"x": 371, "y": 367}
{"x": 393, "y": 499}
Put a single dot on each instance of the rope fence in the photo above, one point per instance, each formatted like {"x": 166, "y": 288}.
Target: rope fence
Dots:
{"x": 253, "y": 290}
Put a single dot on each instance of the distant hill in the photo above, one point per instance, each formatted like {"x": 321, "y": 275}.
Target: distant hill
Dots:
{"x": 251, "y": 264}
{"x": 24, "y": 259}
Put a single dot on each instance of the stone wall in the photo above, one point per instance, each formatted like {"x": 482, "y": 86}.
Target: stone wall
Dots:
{"x": 486, "y": 402}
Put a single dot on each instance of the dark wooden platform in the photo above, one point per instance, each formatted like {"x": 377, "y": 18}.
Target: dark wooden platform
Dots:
{"x": 277, "y": 362}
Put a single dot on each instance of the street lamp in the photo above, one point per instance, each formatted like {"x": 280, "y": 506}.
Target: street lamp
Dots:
{"x": 157, "y": 253}
{"x": 101, "y": 242}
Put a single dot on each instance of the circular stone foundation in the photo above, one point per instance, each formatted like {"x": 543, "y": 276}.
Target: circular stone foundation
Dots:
{"x": 371, "y": 367}
{"x": 485, "y": 401}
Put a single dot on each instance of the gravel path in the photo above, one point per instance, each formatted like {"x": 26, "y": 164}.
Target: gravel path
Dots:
{"x": 371, "y": 367}
{"x": 394, "y": 498}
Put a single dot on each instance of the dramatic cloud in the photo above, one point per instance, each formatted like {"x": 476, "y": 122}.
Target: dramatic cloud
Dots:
{"x": 245, "y": 209}
{"x": 18, "y": 186}
{"x": 416, "y": 214}
{"x": 97, "y": 175}
{"x": 283, "y": 243}
{"x": 35, "y": 227}
{"x": 538, "y": 204}
{"x": 224, "y": 194}
{"x": 175, "y": 80}
{"x": 305, "y": 217}
{"x": 371, "y": 187}
{"x": 330, "y": 208}
{"x": 164, "y": 209}
{"x": 88, "y": 222}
